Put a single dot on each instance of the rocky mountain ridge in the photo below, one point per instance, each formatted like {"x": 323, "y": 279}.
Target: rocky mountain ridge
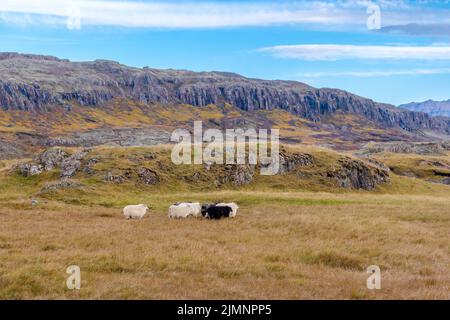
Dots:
{"x": 39, "y": 83}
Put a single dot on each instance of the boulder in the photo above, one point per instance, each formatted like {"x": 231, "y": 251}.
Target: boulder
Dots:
{"x": 69, "y": 167}
{"x": 30, "y": 169}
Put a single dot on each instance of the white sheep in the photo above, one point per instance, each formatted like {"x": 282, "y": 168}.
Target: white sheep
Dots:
{"x": 135, "y": 211}
{"x": 184, "y": 210}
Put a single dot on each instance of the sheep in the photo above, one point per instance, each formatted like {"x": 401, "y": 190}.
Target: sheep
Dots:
{"x": 234, "y": 207}
{"x": 135, "y": 211}
{"x": 184, "y": 209}
{"x": 217, "y": 212}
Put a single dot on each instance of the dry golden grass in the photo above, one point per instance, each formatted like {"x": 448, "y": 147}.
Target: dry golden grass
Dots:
{"x": 284, "y": 244}
{"x": 281, "y": 246}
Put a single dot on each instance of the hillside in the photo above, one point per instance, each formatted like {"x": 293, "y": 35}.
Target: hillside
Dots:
{"x": 46, "y": 101}
{"x": 433, "y": 108}
{"x": 39, "y": 83}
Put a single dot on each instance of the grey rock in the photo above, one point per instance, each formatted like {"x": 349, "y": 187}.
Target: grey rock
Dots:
{"x": 129, "y": 137}
{"x": 356, "y": 174}
{"x": 69, "y": 167}
{"x": 148, "y": 176}
{"x": 237, "y": 175}
{"x": 290, "y": 162}
{"x": 72, "y": 164}
{"x": 51, "y": 158}
{"x": 30, "y": 169}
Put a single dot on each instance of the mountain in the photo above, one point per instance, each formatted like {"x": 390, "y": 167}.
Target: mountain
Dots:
{"x": 433, "y": 108}
{"x": 46, "y": 101}
{"x": 38, "y": 83}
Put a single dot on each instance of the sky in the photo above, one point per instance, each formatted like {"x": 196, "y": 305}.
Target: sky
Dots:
{"x": 392, "y": 51}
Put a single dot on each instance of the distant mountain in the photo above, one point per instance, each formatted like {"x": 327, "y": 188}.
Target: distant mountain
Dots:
{"x": 431, "y": 107}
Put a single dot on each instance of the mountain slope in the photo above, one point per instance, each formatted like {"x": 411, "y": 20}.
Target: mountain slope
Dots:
{"x": 433, "y": 108}
{"x": 41, "y": 83}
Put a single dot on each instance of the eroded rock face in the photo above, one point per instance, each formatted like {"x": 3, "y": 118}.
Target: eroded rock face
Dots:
{"x": 96, "y": 83}
{"x": 356, "y": 174}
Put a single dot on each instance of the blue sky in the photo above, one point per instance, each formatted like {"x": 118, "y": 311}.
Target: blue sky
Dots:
{"x": 339, "y": 44}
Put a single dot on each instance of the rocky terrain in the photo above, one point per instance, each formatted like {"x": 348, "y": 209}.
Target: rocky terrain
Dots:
{"x": 41, "y": 83}
{"x": 70, "y": 169}
{"x": 433, "y": 108}
{"x": 424, "y": 148}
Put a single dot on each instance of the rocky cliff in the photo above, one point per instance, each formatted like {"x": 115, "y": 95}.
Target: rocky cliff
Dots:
{"x": 40, "y": 83}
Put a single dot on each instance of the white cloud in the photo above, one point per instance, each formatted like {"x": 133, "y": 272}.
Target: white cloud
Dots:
{"x": 374, "y": 74}
{"x": 332, "y": 52}
{"x": 183, "y": 14}
{"x": 339, "y": 14}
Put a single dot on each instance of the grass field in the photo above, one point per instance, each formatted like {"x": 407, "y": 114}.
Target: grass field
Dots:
{"x": 282, "y": 245}
{"x": 293, "y": 238}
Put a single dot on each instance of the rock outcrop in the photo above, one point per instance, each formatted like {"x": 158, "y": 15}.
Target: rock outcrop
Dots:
{"x": 36, "y": 83}
{"x": 237, "y": 175}
{"x": 145, "y": 168}
{"x": 356, "y": 174}
{"x": 290, "y": 162}
{"x": 148, "y": 176}
{"x": 53, "y": 159}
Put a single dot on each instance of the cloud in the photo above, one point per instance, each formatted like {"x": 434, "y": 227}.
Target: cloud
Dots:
{"x": 182, "y": 14}
{"x": 331, "y": 52}
{"x": 419, "y": 29}
{"x": 375, "y": 74}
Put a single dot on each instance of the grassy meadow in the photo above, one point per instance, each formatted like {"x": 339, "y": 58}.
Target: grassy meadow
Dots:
{"x": 285, "y": 243}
